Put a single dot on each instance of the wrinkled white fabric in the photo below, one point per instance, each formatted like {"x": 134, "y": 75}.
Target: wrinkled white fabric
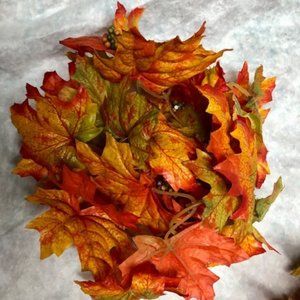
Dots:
{"x": 260, "y": 31}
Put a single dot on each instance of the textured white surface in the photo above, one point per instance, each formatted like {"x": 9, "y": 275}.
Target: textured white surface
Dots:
{"x": 260, "y": 31}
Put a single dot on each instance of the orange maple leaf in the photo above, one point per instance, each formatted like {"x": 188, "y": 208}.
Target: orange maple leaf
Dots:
{"x": 187, "y": 256}
{"x": 168, "y": 149}
{"x": 156, "y": 66}
{"x": 143, "y": 284}
{"x": 241, "y": 169}
{"x": 218, "y": 107}
{"x": 49, "y": 131}
{"x": 64, "y": 225}
{"x": 219, "y": 205}
{"x": 251, "y": 100}
{"x": 115, "y": 176}
{"x": 28, "y": 167}
{"x": 78, "y": 184}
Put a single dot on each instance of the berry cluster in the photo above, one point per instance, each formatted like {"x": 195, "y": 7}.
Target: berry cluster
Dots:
{"x": 109, "y": 38}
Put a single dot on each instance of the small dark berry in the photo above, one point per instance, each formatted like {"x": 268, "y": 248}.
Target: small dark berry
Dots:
{"x": 110, "y": 37}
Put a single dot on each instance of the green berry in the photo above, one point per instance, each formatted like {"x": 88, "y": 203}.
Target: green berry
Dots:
{"x": 111, "y": 29}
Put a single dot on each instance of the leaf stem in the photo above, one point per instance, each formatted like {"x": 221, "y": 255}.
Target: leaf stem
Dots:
{"x": 175, "y": 194}
{"x": 190, "y": 210}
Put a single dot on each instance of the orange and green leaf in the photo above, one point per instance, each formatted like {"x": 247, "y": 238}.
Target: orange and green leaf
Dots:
{"x": 63, "y": 226}
{"x": 241, "y": 169}
{"x": 262, "y": 205}
{"x": 218, "y": 107}
{"x": 123, "y": 108}
{"x": 187, "y": 256}
{"x": 168, "y": 149}
{"x": 62, "y": 115}
{"x": 115, "y": 176}
{"x": 219, "y": 205}
{"x": 251, "y": 100}
{"x": 156, "y": 66}
{"x": 143, "y": 285}
{"x": 246, "y": 236}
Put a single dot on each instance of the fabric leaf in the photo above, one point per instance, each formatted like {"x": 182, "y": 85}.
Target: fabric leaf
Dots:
{"x": 218, "y": 107}
{"x": 140, "y": 137}
{"x": 143, "y": 285}
{"x": 246, "y": 236}
{"x": 186, "y": 120}
{"x": 28, "y": 167}
{"x": 115, "y": 176}
{"x": 219, "y": 205}
{"x": 78, "y": 184}
{"x": 87, "y": 75}
{"x": 49, "y": 131}
{"x": 262, "y": 205}
{"x": 157, "y": 66}
{"x": 63, "y": 225}
{"x": 85, "y": 44}
{"x": 123, "y": 108}
{"x": 241, "y": 170}
{"x": 168, "y": 149}
{"x": 251, "y": 101}
{"x": 187, "y": 255}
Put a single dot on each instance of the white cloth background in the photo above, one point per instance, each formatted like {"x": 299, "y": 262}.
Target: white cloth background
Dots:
{"x": 260, "y": 31}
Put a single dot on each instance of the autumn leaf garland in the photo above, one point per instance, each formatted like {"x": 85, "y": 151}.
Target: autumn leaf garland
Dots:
{"x": 148, "y": 160}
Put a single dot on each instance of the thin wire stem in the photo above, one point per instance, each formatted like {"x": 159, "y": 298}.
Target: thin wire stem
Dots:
{"x": 190, "y": 210}
{"x": 175, "y": 194}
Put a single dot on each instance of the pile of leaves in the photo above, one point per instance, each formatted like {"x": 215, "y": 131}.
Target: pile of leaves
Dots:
{"x": 148, "y": 160}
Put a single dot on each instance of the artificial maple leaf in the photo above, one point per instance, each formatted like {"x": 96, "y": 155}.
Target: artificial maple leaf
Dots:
{"x": 49, "y": 131}
{"x": 192, "y": 110}
{"x": 262, "y": 89}
{"x": 84, "y": 72}
{"x": 256, "y": 125}
{"x": 219, "y": 142}
{"x": 83, "y": 187}
{"x": 193, "y": 114}
{"x": 262, "y": 205}
{"x": 244, "y": 233}
{"x": 213, "y": 77}
{"x": 157, "y": 66}
{"x": 85, "y": 44}
{"x": 242, "y": 81}
{"x": 143, "y": 285}
{"x": 78, "y": 184}
{"x": 109, "y": 211}
{"x": 124, "y": 107}
{"x": 168, "y": 149}
{"x": 241, "y": 169}
{"x": 187, "y": 256}
{"x": 219, "y": 205}
{"x": 28, "y": 167}
{"x": 247, "y": 237}
{"x": 186, "y": 120}
{"x": 140, "y": 137}
{"x": 251, "y": 100}
{"x": 64, "y": 225}
{"x": 115, "y": 175}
